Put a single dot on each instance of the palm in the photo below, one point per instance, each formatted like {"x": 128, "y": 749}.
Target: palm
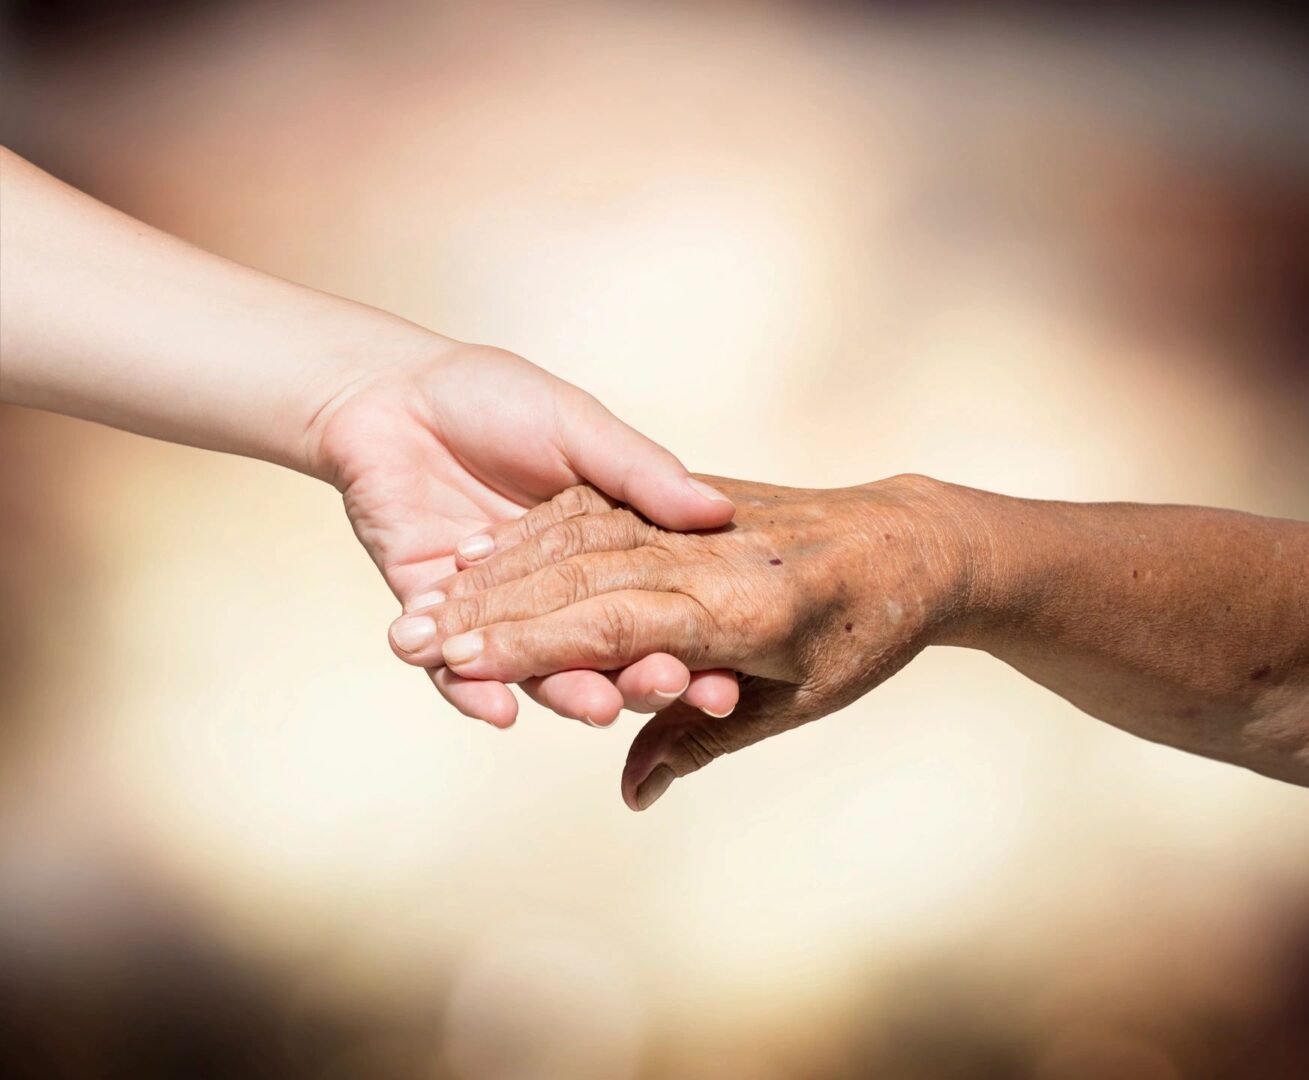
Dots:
{"x": 431, "y": 451}
{"x": 420, "y": 472}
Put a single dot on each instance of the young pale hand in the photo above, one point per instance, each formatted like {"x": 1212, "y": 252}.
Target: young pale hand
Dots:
{"x": 814, "y": 597}
{"x": 427, "y": 438}
{"x": 462, "y": 438}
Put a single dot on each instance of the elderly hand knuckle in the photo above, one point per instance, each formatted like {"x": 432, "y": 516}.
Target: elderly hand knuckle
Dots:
{"x": 559, "y": 542}
{"x": 472, "y": 581}
{"x": 572, "y": 502}
{"x": 452, "y": 618}
{"x": 617, "y": 627}
{"x": 636, "y": 530}
{"x": 474, "y": 611}
{"x": 568, "y": 503}
{"x": 565, "y": 582}
{"x": 701, "y": 745}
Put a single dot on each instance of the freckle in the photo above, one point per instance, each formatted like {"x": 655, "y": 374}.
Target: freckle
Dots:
{"x": 887, "y": 536}
{"x": 848, "y": 627}
{"x": 1260, "y": 673}
{"x": 1229, "y": 609}
{"x": 1136, "y": 573}
{"x": 774, "y": 562}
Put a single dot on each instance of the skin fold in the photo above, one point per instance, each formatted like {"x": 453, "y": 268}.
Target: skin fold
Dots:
{"x": 426, "y": 438}
{"x": 1184, "y": 625}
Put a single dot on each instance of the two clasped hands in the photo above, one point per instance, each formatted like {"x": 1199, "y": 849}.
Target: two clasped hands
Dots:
{"x": 771, "y": 606}
{"x": 809, "y": 598}
{"x": 533, "y": 538}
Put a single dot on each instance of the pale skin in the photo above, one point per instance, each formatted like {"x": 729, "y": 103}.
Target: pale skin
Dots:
{"x": 427, "y": 439}
{"x": 1184, "y": 625}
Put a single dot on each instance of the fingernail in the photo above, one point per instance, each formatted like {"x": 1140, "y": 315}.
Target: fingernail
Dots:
{"x": 430, "y": 599}
{"x": 705, "y": 491}
{"x": 719, "y": 715}
{"x": 653, "y": 786}
{"x": 476, "y": 547}
{"x": 462, "y": 648}
{"x": 659, "y": 699}
{"x": 410, "y": 635}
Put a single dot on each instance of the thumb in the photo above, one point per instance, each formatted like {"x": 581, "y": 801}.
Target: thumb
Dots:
{"x": 682, "y": 740}
{"x": 627, "y": 466}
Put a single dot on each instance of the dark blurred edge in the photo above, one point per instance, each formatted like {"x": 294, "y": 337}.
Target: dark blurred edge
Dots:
{"x": 57, "y": 22}
{"x": 52, "y": 23}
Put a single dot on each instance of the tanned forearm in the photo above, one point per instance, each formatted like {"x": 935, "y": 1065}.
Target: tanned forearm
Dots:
{"x": 1184, "y": 625}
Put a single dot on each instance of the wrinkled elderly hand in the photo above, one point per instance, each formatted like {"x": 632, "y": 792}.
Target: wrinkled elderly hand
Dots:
{"x": 456, "y": 438}
{"x": 813, "y": 597}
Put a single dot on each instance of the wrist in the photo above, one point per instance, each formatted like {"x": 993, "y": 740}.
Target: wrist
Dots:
{"x": 998, "y": 539}
{"x": 963, "y": 554}
{"x": 355, "y": 361}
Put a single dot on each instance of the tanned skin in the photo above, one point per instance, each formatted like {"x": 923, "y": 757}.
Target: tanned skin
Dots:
{"x": 1184, "y": 625}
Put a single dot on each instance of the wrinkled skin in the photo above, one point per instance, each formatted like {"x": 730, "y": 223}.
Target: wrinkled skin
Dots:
{"x": 813, "y": 597}
{"x": 455, "y": 440}
{"x": 1188, "y": 626}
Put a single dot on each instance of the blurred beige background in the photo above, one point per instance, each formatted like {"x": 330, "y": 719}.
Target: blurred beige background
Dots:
{"x": 803, "y": 243}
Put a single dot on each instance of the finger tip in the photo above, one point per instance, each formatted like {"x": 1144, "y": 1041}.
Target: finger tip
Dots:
{"x": 502, "y": 715}
{"x": 650, "y": 790}
{"x": 430, "y": 599}
{"x": 414, "y": 659}
{"x": 686, "y": 506}
{"x": 713, "y": 695}
{"x": 696, "y": 518}
{"x": 474, "y": 549}
{"x": 716, "y": 515}
{"x": 412, "y": 638}
{"x": 601, "y": 710}
{"x": 627, "y": 787}
{"x": 493, "y": 703}
{"x": 709, "y": 495}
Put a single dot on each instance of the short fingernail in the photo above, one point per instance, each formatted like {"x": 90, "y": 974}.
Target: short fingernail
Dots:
{"x": 719, "y": 715}
{"x": 705, "y": 491}
{"x": 654, "y": 785}
{"x": 476, "y": 547}
{"x": 430, "y": 599}
{"x": 462, "y": 648}
{"x": 410, "y": 635}
{"x": 660, "y": 699}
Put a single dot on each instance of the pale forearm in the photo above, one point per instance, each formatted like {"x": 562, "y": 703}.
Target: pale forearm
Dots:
{"x": 108, "y": 319}
{"x": 1186, "y": 625}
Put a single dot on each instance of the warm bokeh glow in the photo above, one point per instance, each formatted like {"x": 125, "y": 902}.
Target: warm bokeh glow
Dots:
{"x": 799, "y": 243}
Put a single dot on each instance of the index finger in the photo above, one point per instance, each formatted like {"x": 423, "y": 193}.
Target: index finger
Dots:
{"x": 600, "y": 633}
{"x": 572, "y": 502}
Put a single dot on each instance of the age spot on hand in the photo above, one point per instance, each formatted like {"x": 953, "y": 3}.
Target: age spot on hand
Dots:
{"x": 774, "y": 562}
